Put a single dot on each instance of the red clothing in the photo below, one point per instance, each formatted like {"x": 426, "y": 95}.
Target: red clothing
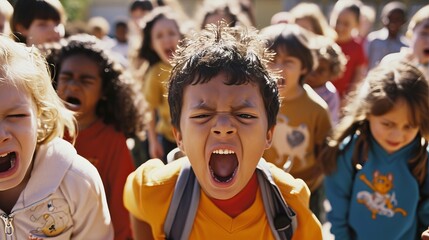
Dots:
{"x": 106, "y": 148}
{"x": 240, "y": 202}
{"x": 355, "y": 58}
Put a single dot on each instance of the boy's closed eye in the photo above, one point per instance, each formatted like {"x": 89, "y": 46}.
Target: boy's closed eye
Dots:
{"x": 246, "y": 116}
{"x": 197, "y": 116}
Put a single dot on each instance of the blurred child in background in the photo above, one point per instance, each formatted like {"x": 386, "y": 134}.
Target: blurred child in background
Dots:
{"x": 389, "y": 39}
{"x": 418, "y": 51}
{"x": 310, "y": 16}
{"x": 303, "y": 121}
{"x": 38, "y": 21}
{"x": 332, "y": 63}
{"x": 345, "y": 20}
{"x": 212, "y": 12}
{"x": 94, "y": 86}
{"x": 161, "y": 34}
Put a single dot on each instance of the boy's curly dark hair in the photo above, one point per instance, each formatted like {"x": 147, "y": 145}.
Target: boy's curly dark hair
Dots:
{"x": 120, "y": 105}
{"x": 236, "y": 51}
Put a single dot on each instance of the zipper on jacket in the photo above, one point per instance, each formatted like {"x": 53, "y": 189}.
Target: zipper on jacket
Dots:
{"x": 8, "y": 226}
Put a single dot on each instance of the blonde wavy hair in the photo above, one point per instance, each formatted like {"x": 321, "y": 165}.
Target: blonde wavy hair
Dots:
{"x": 25, "y": 67}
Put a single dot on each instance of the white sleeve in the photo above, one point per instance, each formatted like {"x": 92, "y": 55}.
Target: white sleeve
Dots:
{"x": 83, "y": 188}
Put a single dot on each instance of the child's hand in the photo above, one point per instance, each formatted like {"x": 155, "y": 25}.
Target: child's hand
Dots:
{"x": 425, "y": 235}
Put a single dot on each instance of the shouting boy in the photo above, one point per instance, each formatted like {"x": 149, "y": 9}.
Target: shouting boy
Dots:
{"x": 223, "y": 105}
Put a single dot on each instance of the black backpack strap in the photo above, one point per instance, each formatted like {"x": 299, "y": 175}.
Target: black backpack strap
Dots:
{"x": 183, "y": 206}
{"x": 281, "y": 217}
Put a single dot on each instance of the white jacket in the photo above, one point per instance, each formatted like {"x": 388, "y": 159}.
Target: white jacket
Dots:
{"x": 64, "y": 199}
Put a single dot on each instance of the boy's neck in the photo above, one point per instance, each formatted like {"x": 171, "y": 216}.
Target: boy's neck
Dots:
{"x": 240, "y": 202}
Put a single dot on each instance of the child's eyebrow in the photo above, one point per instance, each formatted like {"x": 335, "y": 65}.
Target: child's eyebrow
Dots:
{"x": 244, "y": 104}
{"x": 201, "y": 106}
{"x": 17, "y": 106}
{"x": 204, "y": 106}
{"x": 70, "y": 73}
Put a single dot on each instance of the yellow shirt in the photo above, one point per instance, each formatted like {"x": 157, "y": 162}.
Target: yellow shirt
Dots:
{"x": 155, "y": 92}
{"x": 150, "y": 188}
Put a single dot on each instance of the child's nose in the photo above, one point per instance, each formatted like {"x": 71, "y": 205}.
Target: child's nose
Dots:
{"x": 4, "y": 134}
{"x": 223, "y": 125}
{"x": 396, "y": 134}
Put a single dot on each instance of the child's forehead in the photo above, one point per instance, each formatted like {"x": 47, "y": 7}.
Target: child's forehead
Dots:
{"x": 218, "y": 89}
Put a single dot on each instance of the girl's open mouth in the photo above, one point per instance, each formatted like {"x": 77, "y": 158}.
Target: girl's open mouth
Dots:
{"x": 223, "y": 165}
{"x": 73, "y": 103}
{"x": 7, "y": 161}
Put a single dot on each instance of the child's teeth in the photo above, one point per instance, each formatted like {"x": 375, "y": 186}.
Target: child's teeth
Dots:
{"x": 223, "y": 151}
{"x": 12, "y": 163}
{"x": 4, "y": 155}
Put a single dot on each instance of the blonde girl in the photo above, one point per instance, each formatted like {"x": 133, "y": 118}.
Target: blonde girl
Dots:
{"x": 64, "y": 197}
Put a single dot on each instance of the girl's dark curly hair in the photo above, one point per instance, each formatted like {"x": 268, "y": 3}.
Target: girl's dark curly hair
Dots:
{"x": 120, "y": 105}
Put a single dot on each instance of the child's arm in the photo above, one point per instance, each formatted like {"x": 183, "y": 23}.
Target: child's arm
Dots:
{"x": 155, "y": 148}
{"x": 338, "y": 188}
{"x": 141, "y": 230}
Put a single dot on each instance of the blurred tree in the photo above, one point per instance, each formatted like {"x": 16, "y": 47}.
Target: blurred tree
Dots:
{"x": 76, "y": 9}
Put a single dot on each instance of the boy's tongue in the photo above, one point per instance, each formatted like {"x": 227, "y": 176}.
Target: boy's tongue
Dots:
{"x": 223, "y": 165}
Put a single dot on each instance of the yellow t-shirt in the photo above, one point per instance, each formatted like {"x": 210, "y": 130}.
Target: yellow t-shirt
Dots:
{"x": 150, "y": 188}
{"x": 155, "y": 92}
{"x": 302, "y": 125}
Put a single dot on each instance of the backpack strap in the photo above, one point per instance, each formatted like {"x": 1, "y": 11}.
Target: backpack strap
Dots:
{"x": 281, "y": 217}
{"x": 183, "y": 206}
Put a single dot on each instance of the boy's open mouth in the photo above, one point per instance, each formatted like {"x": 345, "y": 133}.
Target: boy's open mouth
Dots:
{"x": 426, "y": 52}
{"x": 7, "y": 161}
{"x": 223, "y": 165}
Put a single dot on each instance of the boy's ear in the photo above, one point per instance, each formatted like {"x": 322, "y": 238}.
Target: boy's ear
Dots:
{"x": 178, "y": 137}
{"x": 21, "y": 29}
{"x": 269, "y": 139}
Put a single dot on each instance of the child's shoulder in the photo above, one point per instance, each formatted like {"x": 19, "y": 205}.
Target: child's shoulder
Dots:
{"x": 155, "y": 173}
{"x": 65, "y": 154}
{"x": 287, "y": 184}
{"x": 57, "y": 165}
